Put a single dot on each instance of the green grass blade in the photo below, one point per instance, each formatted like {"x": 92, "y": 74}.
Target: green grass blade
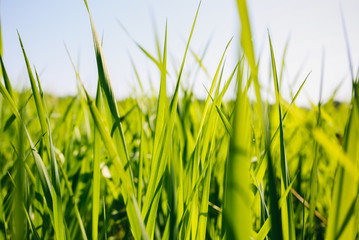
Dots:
{"x": 150, "y": 56}
{"x": 96, "y": 172}
{"x": 5, "y": 76}
{"x": 44, "y": 178}
{"x": 19, "y": 215}
{"x": 346, "y": 184}
{"x": 45, "y": 127}
{"x": 104, "y": 79}
{"x": 210, "y": 92}
{"x": 137, "y": 225}
{"x": 238, "y": 198}
{"x": 152, "y": 195}
{"x": 248, "y": 49}
{"x": 162, "y": 105}
{"x": 287, "y": 213}
{"x": 314, "y": 173}
{"x": 35, "y": 92}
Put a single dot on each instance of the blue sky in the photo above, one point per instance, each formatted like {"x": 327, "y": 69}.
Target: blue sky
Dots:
{"x": 310, "y": 26}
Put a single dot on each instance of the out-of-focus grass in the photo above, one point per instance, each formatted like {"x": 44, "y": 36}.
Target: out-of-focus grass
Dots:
{"x": 174, "y": 166}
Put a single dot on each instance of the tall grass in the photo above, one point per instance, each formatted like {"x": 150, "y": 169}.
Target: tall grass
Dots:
{"x": 175, "y": 166}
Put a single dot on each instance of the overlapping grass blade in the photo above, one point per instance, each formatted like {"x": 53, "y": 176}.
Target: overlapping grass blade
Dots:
{"x": 44, "y": 178}
{"x": 105, "y": 82}
{"x": 314, "y": 173}
{"x": 137, "y": 225}
{"x": 45, "y": 127}
{"x": 160, "y": 155}
{"x": 287, "y": 213}
{"x": 345, "y": 191}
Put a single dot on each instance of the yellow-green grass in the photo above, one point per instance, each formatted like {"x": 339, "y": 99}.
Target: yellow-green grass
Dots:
{"x": 174, "y": 166}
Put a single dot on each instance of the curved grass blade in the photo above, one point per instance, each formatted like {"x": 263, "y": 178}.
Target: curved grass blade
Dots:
{"x": 44, "y": 178}
{"x": 210, "y": 92}
{"x": 45, "y": 127}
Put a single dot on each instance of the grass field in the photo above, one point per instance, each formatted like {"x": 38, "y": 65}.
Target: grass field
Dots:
{"x": 174, "y": 166}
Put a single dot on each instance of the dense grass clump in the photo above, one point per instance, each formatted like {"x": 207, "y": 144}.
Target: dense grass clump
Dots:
{"x": 170, "y": 167}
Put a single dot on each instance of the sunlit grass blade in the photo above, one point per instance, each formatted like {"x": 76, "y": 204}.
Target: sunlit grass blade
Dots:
{"x": 137, "y": 225}
{"x": 287, "y": 213}
{"x": 152, "y": 195}
{"x": 238, "y": 198}
{"x": 314, "y": 173}
{"x": 96, "y": 172}
{"x": 248, "y": 49}
{"x": 283, "y": 63}
{"x": 261, "y": 166}
{"x": 5, "y": 76}
{"x": 220, "y": 112}
{"x": 210, "y": 92}
{"x": 150, "y": 56}
{"x": 44, "y": 178}
{"x": 105, "y": 82}
{"x": 346, "y": 184}
{"x": 162, "y": 105}
{"x": 159, "y": 156}
{"x": 275, "y": 207}
{"x": 20, "y": 194}
{"x": 199, "y": 59}
{"x": 45, "y": 127}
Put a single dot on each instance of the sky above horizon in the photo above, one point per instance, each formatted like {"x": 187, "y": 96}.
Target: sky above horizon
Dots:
{"x": 311, "y": 27}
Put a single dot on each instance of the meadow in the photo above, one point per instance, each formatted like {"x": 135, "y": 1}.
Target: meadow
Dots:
{"x": 174, "y": 166}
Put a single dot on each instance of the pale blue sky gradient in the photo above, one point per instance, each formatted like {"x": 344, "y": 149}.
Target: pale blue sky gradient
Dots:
{"x": 311, "y": 25}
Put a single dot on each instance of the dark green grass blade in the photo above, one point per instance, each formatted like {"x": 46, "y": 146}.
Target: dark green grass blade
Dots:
{"x": 1, "y": 45}
{"x": 45, "y": 127}
{"x": 275, "y": 218}
{"x": 210, "y": 92}
{"x": 6, "y": 78}
{"x": 287, "y": 213}
{"x": 260, "y": 169}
